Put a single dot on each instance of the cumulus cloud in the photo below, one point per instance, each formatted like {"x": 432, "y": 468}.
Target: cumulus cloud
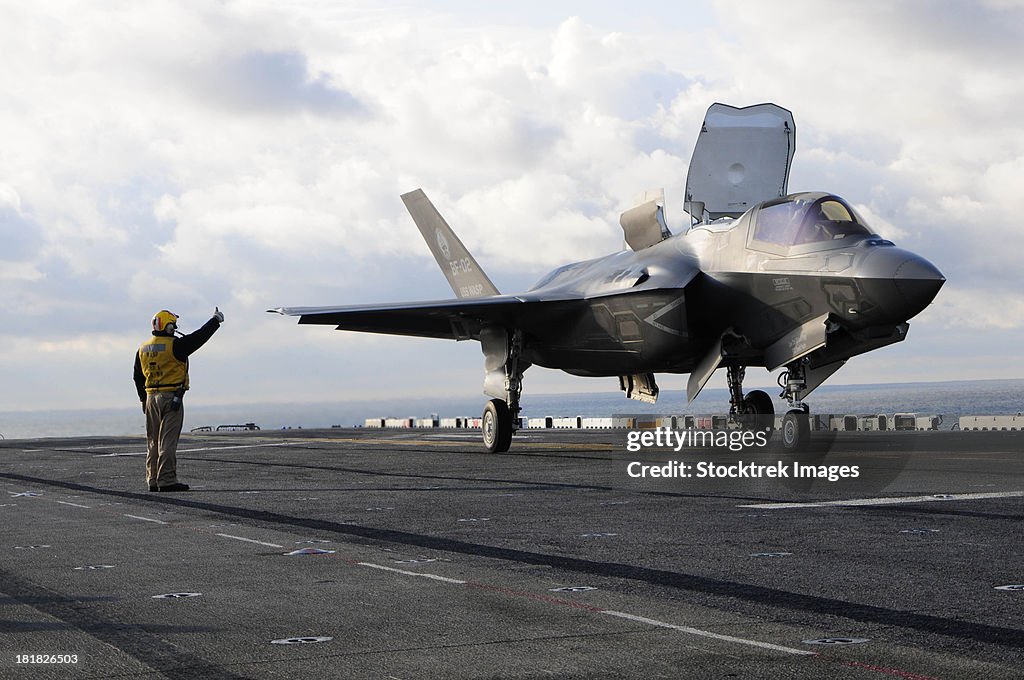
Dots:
{"x": 934, "y": 101}
{"x": 251, "y": 155}
{"x": 977, "y": 308}
{"x": 20, "y": 234}
{"x": 271, "y": 82}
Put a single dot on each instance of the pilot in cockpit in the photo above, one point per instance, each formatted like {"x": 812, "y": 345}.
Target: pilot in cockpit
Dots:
{"x": 798, "y": 221}
{"x": 828, "y": 220}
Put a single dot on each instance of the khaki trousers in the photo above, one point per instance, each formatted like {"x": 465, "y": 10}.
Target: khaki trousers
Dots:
{"x": 163, "y": 427}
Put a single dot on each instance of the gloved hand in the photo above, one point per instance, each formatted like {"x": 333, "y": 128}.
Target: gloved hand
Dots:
{"x": 218, "y": 315}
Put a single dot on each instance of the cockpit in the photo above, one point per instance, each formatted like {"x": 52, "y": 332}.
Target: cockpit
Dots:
{"x": 805, "y": 219}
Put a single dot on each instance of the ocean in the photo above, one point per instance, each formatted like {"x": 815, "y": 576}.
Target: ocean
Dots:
{"x": 948, "y": 399}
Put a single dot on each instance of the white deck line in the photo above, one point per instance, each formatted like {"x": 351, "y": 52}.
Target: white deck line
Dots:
{"x": 147, "y": 519}
{"x": 77, "y": 505}
{"x": 251, "y": 540}
{"x": 708, "y": 634}
{"x": 434, "y": 577}
{"x": 891, "y": 500}
{"x": 622, "y": 615}
{"x": 204, "y": 448}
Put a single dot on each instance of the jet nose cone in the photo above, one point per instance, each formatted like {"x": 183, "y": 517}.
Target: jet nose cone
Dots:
{"x": 916, "y": 267}
{"x": 918, "y": 282}
{"x": 898, "y": 284}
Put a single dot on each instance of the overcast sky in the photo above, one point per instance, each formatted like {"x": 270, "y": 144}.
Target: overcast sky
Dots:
{"x": 251, "y": 155}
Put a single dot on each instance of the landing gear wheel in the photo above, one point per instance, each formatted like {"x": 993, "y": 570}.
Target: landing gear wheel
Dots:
{"x": 496, "y": 425}
{"x": 759, "y": 412}
{"x": 796, "y": 431}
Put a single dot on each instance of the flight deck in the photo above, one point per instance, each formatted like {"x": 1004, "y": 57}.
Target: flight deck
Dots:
{"x": 358, "y": 553}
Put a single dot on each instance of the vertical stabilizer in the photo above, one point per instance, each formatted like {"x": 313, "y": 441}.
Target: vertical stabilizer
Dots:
{"x": 459, "y": 267}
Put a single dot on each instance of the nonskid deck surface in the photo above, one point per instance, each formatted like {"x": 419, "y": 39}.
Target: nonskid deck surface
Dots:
{"x": 421, "y": 556}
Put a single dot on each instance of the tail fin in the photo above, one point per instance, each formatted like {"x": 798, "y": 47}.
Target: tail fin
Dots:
{"x": 463, "y": 273}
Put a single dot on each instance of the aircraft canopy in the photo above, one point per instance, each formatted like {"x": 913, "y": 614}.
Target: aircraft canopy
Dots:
{"x": 805, "y": 218}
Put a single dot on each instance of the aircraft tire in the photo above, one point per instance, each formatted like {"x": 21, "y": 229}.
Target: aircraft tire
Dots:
{"x": 496, "y": 426}
{"x": 759, "y": 411}
{"x": 796, "y": 431}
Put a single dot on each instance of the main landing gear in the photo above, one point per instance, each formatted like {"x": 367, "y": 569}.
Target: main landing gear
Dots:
{"x": 496, "y": 425}
{"x": 504, "y": 376}
{"x": 754, "y": 411}
{"x": 796, "y": 425}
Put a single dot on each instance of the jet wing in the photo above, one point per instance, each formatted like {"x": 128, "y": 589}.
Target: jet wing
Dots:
{"x": 450, "y": 319}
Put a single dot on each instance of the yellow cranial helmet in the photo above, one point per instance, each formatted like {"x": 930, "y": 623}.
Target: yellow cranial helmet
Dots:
{"x": 164, "y": 319}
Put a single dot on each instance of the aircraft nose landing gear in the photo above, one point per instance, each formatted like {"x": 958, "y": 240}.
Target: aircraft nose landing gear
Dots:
{"x": 796, "y": 425}
{"x": 796, "y": 430}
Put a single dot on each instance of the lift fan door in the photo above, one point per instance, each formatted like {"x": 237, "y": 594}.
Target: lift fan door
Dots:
{"x": 742, "y": 157}
{"x": 644, "y": 224}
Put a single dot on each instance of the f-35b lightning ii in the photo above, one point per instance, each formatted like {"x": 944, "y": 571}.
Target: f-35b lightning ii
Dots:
{"x": 762, "y": 278}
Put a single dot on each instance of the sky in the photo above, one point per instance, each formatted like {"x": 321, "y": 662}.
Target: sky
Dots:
{"x": 250, "y": 155}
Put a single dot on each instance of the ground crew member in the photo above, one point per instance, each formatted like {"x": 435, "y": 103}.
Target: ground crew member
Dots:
{"x": 161, "y": 378}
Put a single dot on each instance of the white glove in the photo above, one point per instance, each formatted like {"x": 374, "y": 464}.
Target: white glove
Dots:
{"x": 218, "y": 315}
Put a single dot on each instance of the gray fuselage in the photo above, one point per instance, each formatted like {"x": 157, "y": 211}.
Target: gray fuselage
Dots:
{"x": 660, "y": 309}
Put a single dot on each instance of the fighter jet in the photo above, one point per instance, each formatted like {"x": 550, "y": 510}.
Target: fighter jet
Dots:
{"x": 761, "y": 278}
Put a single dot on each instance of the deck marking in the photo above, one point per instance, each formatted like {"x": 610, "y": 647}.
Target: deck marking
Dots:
{"x": 622, "y": 615}
{"x": 77, "y": 505}
{"x": 708, "y": 634}
{"x": 251, "y": 540}
{"x": 893, "y": 500}
{"x": 204, "y": 448}
{"x": 146, "y": 519}
{"x": 434, "y": 577}
{"x": 445, "y": 442}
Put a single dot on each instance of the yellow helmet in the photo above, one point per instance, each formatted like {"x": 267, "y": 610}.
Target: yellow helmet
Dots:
{"x": 164, "y": 321}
